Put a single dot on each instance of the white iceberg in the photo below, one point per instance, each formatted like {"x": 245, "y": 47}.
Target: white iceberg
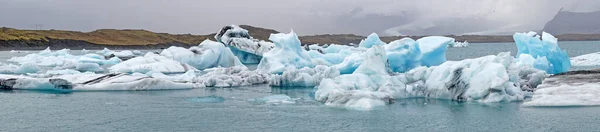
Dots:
{"x": 372, "y": 40}
{"x": 542, "y": 49}
{"x": 151, "y": 62}
{"x": 208, "y": 54}
{"x": 124, "y": 54}
{"x": 230, "y": 77}
{"x": 486, "y": 79}
{"x": 246, "y": 48}
{"x": 304, "y": 77}
{"x": 287, "y": 54}
{"x": 575, "y": 88}
{"x": 592, "y": 59}
{"x": 89, "y": 82}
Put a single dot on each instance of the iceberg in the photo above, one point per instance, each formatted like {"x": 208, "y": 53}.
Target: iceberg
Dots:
{"x": 208, "y": 54}
{"x": 91, "y": 67}
{"x": 246, "y": 48}
{"x": 151, "y": 62}
{"x": 546, "y": 49}
{"x": 592, "y": 59}
{"x": 372, "y": 40}
{"x": 304, "y": 77}
{"x": 366, "y": 89}
{"x": 433, "y": 49}
{"x": 574, "y": 88}
{"x": 286, "y": 54}
{"x": 21, "y": 69}
{"x": 89, "y": 82}
{"x": 62, "y": 59}
{"x": 125, "y": 54}
{"x": 459, "y": 44}
{"x": 274, "y": 99}
{"x": 493, "y": 78}
{"x": 230, "y": 77}
{"x": 403, "y": 55}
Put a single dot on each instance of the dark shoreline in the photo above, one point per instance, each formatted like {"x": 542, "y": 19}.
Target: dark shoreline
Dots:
{"x": 75, "y": 45}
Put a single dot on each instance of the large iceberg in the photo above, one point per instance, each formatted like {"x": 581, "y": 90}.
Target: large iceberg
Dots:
{"x": 287, "y": 54}
{"x": 151, "y": 62}
{"x": 248, "y": 49}
{"x": 494, "y": 78}
{"x": 575, "y": 88}
{"x": 62, "y": 59}
{"x": 549, "y": 56}
{"x": 208, "y": 54}
{"x": 592, "y": 59}
{"x": 369, "y": 87}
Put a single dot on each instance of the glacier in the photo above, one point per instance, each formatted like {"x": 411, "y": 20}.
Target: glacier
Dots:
{"x": 544, "y": 49}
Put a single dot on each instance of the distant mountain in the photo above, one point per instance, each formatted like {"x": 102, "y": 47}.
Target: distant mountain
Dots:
{"x": 574, "y": 23}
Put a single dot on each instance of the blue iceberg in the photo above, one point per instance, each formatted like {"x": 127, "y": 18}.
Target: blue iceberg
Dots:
{"x": 286, "y": 54}
{"x": 544, "y": 49}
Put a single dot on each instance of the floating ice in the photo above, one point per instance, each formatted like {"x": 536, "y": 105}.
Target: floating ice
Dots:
{"x": 287, "y": 54}
{"x": 22, "y": 69}
{"x": 592, "y": 59}
{"x": 188, "y": 76}
{"x": 576, "y": 88}
{"x": 208, "y": 99}
{"x": 372, "y": 40}
{"x": 231, "y": 77}
{"x": 62, "y": 72}
{"x": 90, "y": 82}
{"x": 92, "y": 67}
{"x": 151, "y": 62}
{"x": 530, "y": 43}
{"x": 62, "y": 59}
{"x": 367, "y": 88}
{"x": 433, "y": 49}
{"x": 486, "y": 79}
{"x": 304, "y": 77}
{"x": 208, "y": 54}
{"x": 274, "y": 99}
{"x": 248, "y": 49}
{"x": 458, "y": 44}
{"x": 124, "y": 54}
{"x": 403, "y": 54}
{"x": 105, "y": 52}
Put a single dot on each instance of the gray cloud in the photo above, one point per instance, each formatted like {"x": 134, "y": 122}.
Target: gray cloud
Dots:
{"x": 305, "y": 16}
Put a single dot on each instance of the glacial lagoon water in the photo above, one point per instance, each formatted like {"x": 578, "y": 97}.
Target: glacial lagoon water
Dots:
{"x": 240, "y": 109}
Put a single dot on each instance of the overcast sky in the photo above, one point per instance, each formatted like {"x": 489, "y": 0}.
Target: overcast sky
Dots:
{"x": 387, "y": 17}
